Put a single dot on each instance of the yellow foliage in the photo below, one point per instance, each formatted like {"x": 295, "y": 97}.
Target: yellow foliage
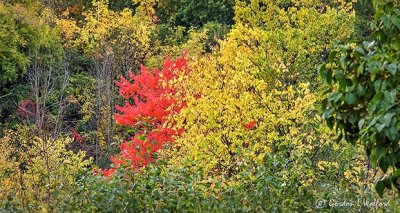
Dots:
{"x": 69, "y": 30}
{"x": 256, "y": 76}
{"x": 33, "y": 169}
{"x": 195, "y": 46}
{"x": 215, "y": 124}
{"x": 8, "y": 167}
{"x": 112, "y": 31}
{"x": 286, "y": 40}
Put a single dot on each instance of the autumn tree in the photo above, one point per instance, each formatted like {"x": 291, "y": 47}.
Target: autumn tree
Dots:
{"x": 285, "y": 40}
{"x": 116, "y": 42}
{"x": 150, "y": 100}
{"x": 25, "y": 34}
{"x": 254, "y": 95}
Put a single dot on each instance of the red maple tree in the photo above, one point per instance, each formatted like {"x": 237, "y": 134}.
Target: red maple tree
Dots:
{"x": 149, "y": 101}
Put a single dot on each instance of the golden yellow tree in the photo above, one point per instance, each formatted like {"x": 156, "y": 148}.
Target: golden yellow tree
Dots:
{"x": 124, "y": 33}
{"x": 255, "y": 95}
{"x": 285, "y": 40}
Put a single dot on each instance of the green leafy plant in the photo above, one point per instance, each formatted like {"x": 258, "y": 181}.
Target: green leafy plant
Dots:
{"x": 362, "y": 101}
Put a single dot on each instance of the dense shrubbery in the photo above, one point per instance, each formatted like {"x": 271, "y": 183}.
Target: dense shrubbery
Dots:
{"x": 269, "y": 187}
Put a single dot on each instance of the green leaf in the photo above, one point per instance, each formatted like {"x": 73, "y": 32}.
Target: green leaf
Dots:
{"x": 324, "y": 104}
{"x": 322, "y": 70}
{"x": 384, "y": 164}
{"x": 377, "y": 85}
{"x": 338, "y": 74}
{"x": 380, "y": 187}
{"x": 388, "y": 182}
{"x": 352, "y": 118}
{"x": 380, "y": 127}
{"x": 339, "y": 138}
{"x": 390, "y": 98}
{"x": 393, "y": 133}
{"x": 343, "y": 84}
{"x": 360, "y": 69}
{"x": 396, "y": 173}
{"x": 331, "y": 56}
{"x": 386, "y": 21}
{"x": 342, "y": 61}
{"x": 375, "y": 101}
{"x": 360, "y": 90}
{"x": 396, "y": 21}
{"x": 378, "y": 153}
{"x": 330, "y": 121}
{"x": 373, "y": 68}
{"x": 368, "y": 45}
{"x": 361, "y": 123}
{"x": 350, "y": 98}
{"x": 359, "y": 51}
{"x": 142, "y": 137}
{"x": 329, "y": 77}
{"x": 327, "y": 114}
{"x": 392, "y": 68}
{"x": 388, "y": 118}
{"x": 335, "y": 97}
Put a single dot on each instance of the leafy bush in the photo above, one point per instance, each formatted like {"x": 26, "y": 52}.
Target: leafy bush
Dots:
{"x": 274, "y": 186}
{"x": 362, "y": 99}
{"x": 36, "y": 173}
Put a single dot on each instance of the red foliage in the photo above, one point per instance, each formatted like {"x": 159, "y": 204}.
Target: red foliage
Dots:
{"x": 27, "y": 109}
{"x": 148, "y": 103}
{"x": 250, "y": 125}
{"x": 109, "y": 172}
{"x": 77, "y": 136}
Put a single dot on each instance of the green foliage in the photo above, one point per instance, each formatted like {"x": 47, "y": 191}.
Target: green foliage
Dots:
{"x": 192, "y": 13}
{"x": 92, "y": 193}
{"x": 362, "y": 99}
{"x": 9, "y": 99}
{"x": 121, "y": 4}
{"x": 24, "y": 35}
{"x": 363, "y": 17}
{"x": 80, "y": 98}
{"x": 273, "y": 186}
{"x": 12, "y": 60}
{"x": 178, "y": 19}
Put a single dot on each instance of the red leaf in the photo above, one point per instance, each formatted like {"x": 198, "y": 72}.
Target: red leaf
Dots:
{"x": 250, "y": 125}
{"x": 77, "y": 136}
